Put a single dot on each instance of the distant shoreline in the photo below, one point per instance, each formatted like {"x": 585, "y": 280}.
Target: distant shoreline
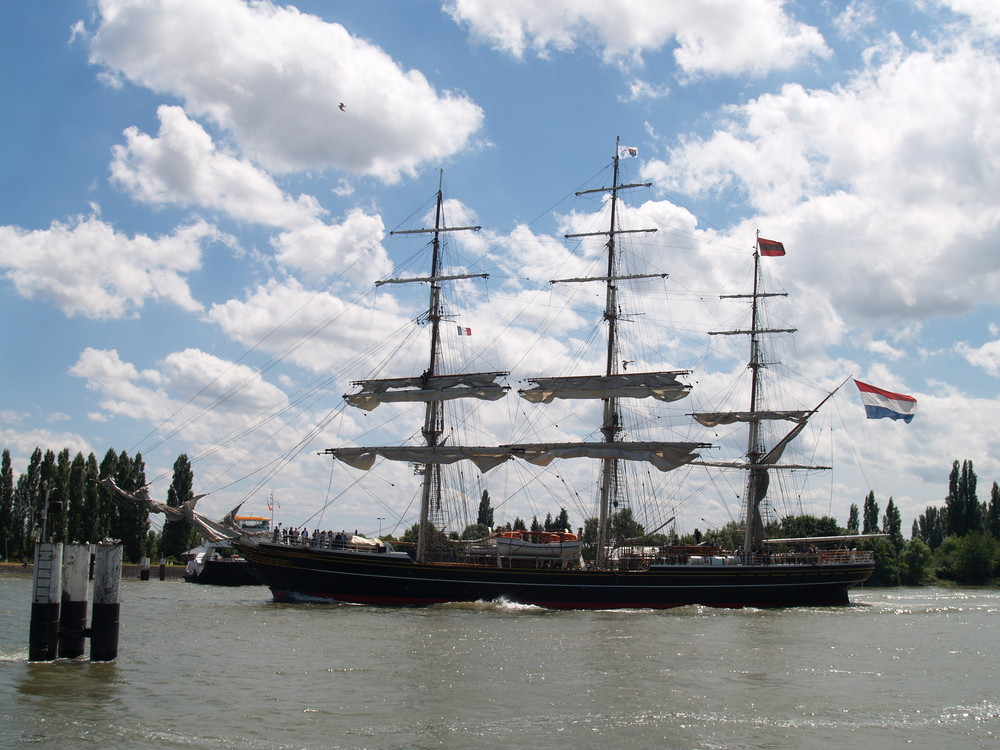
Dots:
{"x": 172, "y": 572}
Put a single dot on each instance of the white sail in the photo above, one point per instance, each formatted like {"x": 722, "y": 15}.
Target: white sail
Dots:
{"x": 663, "y": 386}
{"x": 716, "y": 418}
{"x": 664, "y": 456}
{"x": 424, "y": 389}
{"x": 484, "y": 458}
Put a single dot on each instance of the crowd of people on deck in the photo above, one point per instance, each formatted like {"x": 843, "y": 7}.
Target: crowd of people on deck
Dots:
{"x": 318, "y": 538}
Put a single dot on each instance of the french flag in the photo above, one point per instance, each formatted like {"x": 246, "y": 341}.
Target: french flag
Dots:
{"x": 881, "y": 404}
{"x": 462, "y": 331}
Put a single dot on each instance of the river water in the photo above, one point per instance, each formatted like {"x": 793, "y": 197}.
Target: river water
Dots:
{"x": 207, "y": 667}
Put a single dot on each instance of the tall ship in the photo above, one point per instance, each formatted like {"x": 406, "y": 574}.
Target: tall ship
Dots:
{"x": 607, "y": 565}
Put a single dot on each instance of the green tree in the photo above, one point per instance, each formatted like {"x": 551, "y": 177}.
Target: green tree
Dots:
{"x": 887, "y": 569}
{"x": 105, "y": 509}
{"x": 76, "y": 501}
{"x": 435, "y": 542}
{"x": 854, "y": 520}
{"x": 6, "y": 501}
{"x": 962, "y": 507}
{"x": 971, "y": 559}
{"x": 132, "y": 517}
{"x": 176, "y": 538}
{"x": 803, "y": 526}
{"x": 892, "y": 524}
{"x": 476, "y": 531}
{"x": 930, "y": 527}
{"x": 870, "y": 514}
{"x": 93, "y": 494}
{"x": 25, "y": 506}
{"x": 915, "y": 563}
{"x": 485, "y": 516}
{"x": 559, "y": 523}
{"x": 992, "y": 524}
{"x": 622, "y": 526}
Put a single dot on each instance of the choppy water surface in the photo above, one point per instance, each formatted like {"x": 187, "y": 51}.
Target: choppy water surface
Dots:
{"x": 205, "y": 667}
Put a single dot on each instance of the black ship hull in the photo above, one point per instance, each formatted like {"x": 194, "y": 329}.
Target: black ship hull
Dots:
{"x": 299, "y": 574}
{"x": 225, "y": 573}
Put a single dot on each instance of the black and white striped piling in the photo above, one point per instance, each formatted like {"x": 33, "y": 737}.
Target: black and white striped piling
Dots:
{"x": 75, "y": 590}
{"x": 104, "y": 620}
{"x": 44, "y": 630}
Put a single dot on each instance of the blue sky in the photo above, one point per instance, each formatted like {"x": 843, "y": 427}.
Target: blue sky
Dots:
{"x": 178, "y": 182}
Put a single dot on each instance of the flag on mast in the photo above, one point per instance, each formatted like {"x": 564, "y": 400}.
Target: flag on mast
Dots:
{"x": 883, "y": 404}
{"x": 770, "y": 248}
{"x": 624, "y": 152}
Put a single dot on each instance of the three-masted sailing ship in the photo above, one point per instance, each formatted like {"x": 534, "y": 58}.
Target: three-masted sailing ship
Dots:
{"x": 548, "y": 570}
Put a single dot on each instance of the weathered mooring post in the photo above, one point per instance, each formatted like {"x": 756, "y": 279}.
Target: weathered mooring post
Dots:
{"x": 144, "y": 569}
{"x": 163, "y": 568}
{"x": 104, "y": 620}
{"x": 44, "y": 630}
{"x": 75, "y": 589}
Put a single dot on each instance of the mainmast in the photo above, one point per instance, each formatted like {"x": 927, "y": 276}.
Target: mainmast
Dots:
{"x": 611, "y": 426}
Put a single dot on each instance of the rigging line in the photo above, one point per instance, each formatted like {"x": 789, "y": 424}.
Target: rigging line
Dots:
{"x": 280, "y": 356}
{"x": 260, "y": 342}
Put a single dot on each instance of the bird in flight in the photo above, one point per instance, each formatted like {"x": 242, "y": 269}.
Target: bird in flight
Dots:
{"x": 341, "y": 106}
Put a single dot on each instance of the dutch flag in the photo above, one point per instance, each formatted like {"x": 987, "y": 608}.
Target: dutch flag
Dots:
{"x": 881, "y": 404}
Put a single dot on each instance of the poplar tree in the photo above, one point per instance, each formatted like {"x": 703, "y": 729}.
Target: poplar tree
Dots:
{"x": 132, "y": 517}
{"x": 25, "y": 504}
{"x": 177, "y": 535}
{"x": 930, "y": 526}
{"x": 6, "y": 501}
{"x": 993, "y": 513}
{"x": 854, "y": 520}
{"x": 892, "y": 524}
{"x": 105, "y": 509}
{"x": 485, "y": 516}
{"x": 870, "y": 514}
{"x": 92, "y": 498}
{"x": 76, "y": 501}
{"x": 962, "y": 505}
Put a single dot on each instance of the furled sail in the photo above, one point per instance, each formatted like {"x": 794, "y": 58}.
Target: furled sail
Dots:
{"x": 715, "y": 418}
{"x": 421, "y": 389}
{"x": 663, "y": 386}
{"x": 664, "y": 456}
{"x": 485, "y": 458}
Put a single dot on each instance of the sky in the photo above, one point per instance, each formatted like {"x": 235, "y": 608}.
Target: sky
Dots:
{"x": 195, "y": 198}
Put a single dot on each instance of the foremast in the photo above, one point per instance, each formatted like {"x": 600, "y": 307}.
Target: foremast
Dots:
{"x": 430, "y": 387}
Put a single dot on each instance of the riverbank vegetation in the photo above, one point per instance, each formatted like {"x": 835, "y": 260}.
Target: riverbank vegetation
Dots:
{"x": 957, "y": 541}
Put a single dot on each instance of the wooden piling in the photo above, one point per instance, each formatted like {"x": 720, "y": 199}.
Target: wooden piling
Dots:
{"x": 104, "y": 621}
{"x": 144, "y": 569}
{"x": 75, "y": 589}
{"x": 163, "y": 568}
{"x": 44, "y": 629}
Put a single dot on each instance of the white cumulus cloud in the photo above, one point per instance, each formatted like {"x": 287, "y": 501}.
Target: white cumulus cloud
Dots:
{"x": 86, "y": 267}
{"x": 713, "y": 37}
{"x": 275, "y": 78}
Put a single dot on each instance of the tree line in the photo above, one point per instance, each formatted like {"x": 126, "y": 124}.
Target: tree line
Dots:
{"x": 58, "y": 497}
{"x": 957, "y": 541}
